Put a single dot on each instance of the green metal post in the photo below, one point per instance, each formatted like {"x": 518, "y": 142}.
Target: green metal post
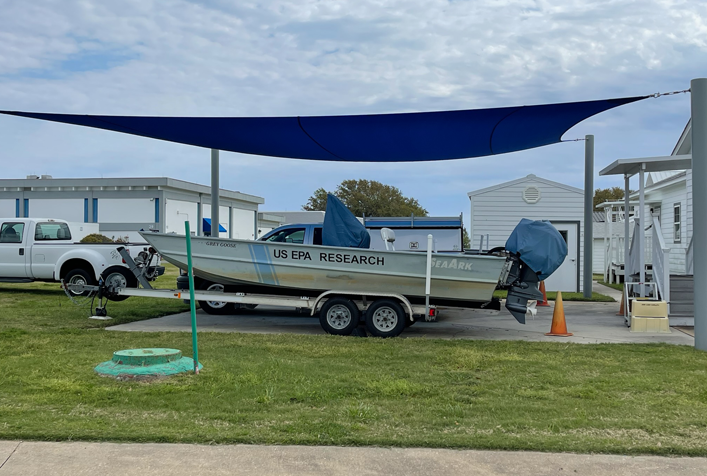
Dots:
{"x": 192, "y": 302}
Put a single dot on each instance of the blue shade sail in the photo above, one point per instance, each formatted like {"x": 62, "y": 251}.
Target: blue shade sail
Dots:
{"x": 406, "y": 137}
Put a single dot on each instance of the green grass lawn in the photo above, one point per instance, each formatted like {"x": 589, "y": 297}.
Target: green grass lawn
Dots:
{"x": 599, "y": 278}
{"x": 617, "y": 286}
{"x": 296, "y": 389}
{"x": 45, "y": 306}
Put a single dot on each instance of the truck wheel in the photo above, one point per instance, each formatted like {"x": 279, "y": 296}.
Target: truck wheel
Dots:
{"x": 80, "y": 276}
{"x": 115, "y": 278}
{"x": 339, "y": 316}
{"x": 216, "y": 307}
{"x": 385, "y": 318}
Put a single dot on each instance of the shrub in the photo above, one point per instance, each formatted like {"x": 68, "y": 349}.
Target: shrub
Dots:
{"x": 96, "y": 238}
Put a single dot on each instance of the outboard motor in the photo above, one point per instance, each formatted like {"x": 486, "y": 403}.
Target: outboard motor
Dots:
{"x": 522, "y": 284}
{"x": 536, "y": 250}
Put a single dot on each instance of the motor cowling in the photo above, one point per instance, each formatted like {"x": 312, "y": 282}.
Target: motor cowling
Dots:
{"x": 522, "y": 285}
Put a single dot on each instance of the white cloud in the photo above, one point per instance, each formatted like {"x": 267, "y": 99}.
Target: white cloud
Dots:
{"x": 226, "y": 58}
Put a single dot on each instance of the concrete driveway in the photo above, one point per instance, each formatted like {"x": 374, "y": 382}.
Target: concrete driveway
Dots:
{"x": 590, "y": 323}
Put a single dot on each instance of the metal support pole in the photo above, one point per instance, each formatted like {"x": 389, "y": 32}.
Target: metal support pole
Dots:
{"x": 428, "y": 277}
{"x": 607, "y": 244}
{"x": 200, "y": 216}
{"x": 626, "y": 226}
{"x": 230, "y": 222}
{"x": 698, "y": 87}
{"x": 215, "y": 192}
{"x": 192, "y": 301}
{"x": 255, "y": 225}
{"x": 588, "y": 208}
{"x": 641, "y": 230}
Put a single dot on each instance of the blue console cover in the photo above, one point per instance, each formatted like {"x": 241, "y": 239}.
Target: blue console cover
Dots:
{"x": 342, "y": 228}
{"x": 539, "y": 245}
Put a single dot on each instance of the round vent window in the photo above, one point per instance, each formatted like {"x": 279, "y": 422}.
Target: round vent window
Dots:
{"x": 531, "y": 195}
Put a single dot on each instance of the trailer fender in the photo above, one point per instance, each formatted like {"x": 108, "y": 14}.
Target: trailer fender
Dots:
{"x": 329, "y": 294}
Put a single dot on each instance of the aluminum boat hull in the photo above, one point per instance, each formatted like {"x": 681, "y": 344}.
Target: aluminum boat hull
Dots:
{"x": 309, "y": 268}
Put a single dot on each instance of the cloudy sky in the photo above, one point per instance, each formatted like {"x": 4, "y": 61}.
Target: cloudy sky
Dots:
{"x": 308, "y": 57}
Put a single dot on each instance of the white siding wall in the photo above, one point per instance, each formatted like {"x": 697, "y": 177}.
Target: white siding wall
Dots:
{"x": 177, "y": 212}
{"x": 598, "y": 256}
{"x": 243, "y": 224}
{"x": 671, "y": 196}
{"x": 7, "y": 208}
{"x": 64, "y": 209}
{"x": 497, "y": 212}
{"x": 125, "y": 210}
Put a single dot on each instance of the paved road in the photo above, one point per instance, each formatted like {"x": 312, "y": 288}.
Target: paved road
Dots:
{"x": 109, "y": 459}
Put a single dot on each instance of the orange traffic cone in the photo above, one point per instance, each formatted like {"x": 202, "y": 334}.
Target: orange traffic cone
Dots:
{"x": 622, "y": 310}
{"x": 544, "y": 301}
{"x": 559, "y": 327}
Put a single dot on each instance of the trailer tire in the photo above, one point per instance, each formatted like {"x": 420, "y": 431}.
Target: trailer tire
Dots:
{"x": 117, "y": 277}
{"x": 339, "y": 316}
{"x": 385, "y": 318}
{"x": 80, "y": 276}
{"x": 216, "y": 307}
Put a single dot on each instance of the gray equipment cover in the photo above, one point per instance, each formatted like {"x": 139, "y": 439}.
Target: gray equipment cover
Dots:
{"x": 342, "y": 228}
{"x": 539, "y": 245}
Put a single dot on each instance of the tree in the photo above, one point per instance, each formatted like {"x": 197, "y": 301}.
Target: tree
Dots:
{"x": 612, "y": 194}
{"x": 368, "y": 197}
{"x": 466, "y": 242}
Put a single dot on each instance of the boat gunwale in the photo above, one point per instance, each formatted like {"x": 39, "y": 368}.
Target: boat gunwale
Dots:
{"x": 362, "y": 271}
{"x": 319, "y": 247}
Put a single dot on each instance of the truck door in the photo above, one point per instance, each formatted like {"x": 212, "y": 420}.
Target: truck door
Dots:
{"x": 13, "y": 253}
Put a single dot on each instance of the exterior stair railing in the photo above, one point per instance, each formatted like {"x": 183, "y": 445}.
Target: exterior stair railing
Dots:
{"x": 689, "y": 266}
{"x": 632, "y": 263}
{"x": 661, "y": 262}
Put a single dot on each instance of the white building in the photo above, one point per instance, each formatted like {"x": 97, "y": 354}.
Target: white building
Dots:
{"x": 123, "y": 206}
{"x": 668, "y": 225}
{"x": 496, "y": 210}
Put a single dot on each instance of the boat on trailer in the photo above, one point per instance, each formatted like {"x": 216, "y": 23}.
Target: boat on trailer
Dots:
{"x": 349, "y": 283}
{"x": 287, "y": 268}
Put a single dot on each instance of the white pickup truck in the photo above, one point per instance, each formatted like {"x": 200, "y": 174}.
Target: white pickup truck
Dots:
{"x": 34, "y": 249}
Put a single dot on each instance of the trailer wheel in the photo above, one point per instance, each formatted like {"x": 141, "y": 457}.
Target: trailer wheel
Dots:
{"x": 80, "y": 276}
{"x": 118, "y": 277}
{"x": 339, "y": 316}
{"x": 385, "y": 318}
{"x": 215, "y": 307}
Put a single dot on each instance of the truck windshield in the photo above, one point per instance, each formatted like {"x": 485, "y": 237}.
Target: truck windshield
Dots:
{"x": 290, "y": 235}
{"x": 48, "y": 231}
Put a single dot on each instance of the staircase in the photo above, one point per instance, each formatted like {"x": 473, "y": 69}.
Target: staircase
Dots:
{"x": 682, "y": 300}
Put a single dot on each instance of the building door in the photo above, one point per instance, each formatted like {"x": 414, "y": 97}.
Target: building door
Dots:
{"x": 565, "y": 277}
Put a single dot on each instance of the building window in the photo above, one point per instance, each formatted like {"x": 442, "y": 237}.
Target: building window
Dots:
{"x": 676, "y": 223}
